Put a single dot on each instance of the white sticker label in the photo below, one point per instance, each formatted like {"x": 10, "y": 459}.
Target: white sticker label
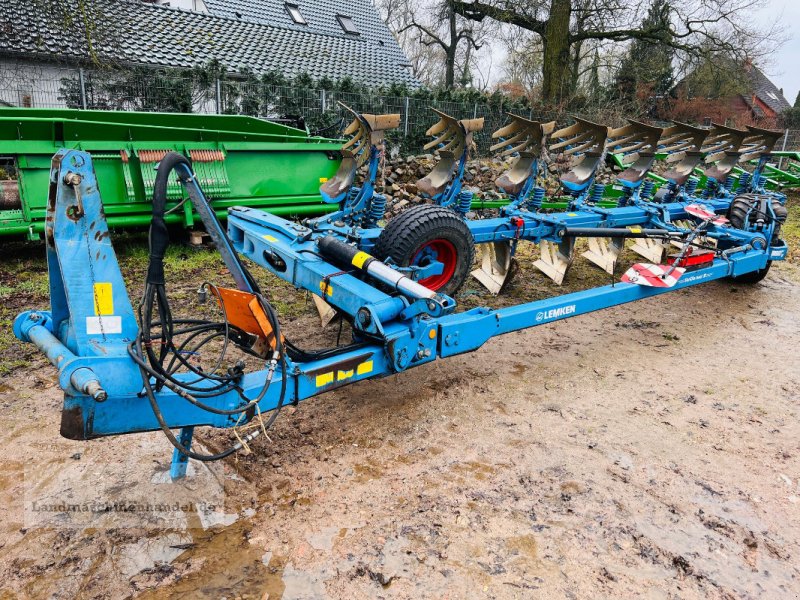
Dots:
{"x": 103, "y": 324}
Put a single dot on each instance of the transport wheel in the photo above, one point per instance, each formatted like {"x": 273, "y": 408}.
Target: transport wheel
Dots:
{"x": 737, "y": 215}
{"x": 753, "y": 276}
{"x": 429, "y": 233}
{"x": 741, "y": 205}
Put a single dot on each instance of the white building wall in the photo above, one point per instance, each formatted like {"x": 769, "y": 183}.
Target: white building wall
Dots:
{"x": 34, "y": 85}
{"x": 39, "y": 85}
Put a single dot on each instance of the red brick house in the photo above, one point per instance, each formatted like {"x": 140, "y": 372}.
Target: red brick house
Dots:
{"x": 760, "y": 104}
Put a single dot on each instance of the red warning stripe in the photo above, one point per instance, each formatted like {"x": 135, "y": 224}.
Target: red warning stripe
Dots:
{"x": 702, "y": 212}
{"x": 652, "y": 275}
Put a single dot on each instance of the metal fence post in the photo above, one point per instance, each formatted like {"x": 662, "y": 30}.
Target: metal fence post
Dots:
{"x": 82, "y": 80}
{"x": 405, "y": 120}
{"x": 475, "y": 111}
{"x": 783, "y": 149}
{"x": 218, "y": 96}
{"x": 323, "y": 100}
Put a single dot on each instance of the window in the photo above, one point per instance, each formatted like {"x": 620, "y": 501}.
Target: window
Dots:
{"x": 294, "y": 12}
{"x": 347, "y": 24}
{"x": 772, "y": 95}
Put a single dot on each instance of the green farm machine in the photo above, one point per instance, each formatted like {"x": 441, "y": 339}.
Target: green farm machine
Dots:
{"x": 239, "y": 161}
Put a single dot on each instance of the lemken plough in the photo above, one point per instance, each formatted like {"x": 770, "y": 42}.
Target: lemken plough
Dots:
{"x": 393, "y": 284}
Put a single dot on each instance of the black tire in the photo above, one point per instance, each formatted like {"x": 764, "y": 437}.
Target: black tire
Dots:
{"x": 737, "y": 215}
{"x": 753, "y": 276}
{"x": 425, "y": 226}
{"x": 741, "y": 205}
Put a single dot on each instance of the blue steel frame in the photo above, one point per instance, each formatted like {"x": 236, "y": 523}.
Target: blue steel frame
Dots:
{"x": 87, "y": 332}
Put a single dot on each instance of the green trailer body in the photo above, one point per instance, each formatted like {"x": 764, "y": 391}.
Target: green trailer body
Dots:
{"x": 784, "y": 170}
{"x": 239, "y": 160}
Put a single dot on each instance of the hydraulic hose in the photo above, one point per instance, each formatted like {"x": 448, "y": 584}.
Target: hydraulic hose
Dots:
{"x": 151, "y": 363}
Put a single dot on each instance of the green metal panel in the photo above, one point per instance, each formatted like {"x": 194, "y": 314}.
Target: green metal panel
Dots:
{"x": 241, "y": 160}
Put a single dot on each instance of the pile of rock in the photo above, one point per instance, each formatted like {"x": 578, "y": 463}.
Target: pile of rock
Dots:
{"x": 397, "y": 179}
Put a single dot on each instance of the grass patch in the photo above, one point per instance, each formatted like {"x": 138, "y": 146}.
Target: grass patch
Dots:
{"x": 791, "y": 229}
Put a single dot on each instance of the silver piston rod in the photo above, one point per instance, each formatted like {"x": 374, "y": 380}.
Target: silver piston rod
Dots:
{"x": 345, "y": 254}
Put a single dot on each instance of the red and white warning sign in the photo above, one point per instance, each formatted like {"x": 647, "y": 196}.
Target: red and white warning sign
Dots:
{"x": 703, "y": 212}
{"x": 653, "y": 275}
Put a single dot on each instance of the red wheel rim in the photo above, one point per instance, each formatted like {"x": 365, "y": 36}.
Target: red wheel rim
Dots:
{"x": 443, "y": 251}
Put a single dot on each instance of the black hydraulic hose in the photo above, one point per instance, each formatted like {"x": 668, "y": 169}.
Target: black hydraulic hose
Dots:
{"x": 165, "y": 428}
{"x": 620, "y": 232}
{"x": 151, "y": 363}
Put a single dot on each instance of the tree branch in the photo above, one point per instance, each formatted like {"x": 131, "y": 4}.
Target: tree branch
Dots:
{"x": 477, "y": 11}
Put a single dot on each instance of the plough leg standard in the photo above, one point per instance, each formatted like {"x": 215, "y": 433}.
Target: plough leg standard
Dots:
{"x": 120, "y": 377}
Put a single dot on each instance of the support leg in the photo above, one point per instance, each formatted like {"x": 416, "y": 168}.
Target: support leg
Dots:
{"x": 179, "y": 460}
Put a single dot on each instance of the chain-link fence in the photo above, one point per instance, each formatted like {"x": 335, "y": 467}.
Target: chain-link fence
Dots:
{"x": 319, "y": 109}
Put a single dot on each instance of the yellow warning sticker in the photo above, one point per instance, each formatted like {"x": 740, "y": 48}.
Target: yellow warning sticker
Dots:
{"x": 103, "y": 299}
{"x": 364, "y": 368}
{"x": 572, "y": 214}
{"x": 342, "y": 375}
{"x": 270, "y": 238}
{"x": 359, "y": 259}
{"x": 323, "y": 179}
{"x": 635, "y": 229}
{"x": 326, "y": 288}
{"x": 324, "y": 379}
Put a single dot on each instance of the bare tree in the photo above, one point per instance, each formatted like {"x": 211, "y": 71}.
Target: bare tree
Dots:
{"x": 425, "y": 60}
{"x": 433, "y": 34}
{"x": 565, "y": 26}
{"x": 523, "y": 63}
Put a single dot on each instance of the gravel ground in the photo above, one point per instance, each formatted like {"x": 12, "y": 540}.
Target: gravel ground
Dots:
{"x": 647, "y": 451}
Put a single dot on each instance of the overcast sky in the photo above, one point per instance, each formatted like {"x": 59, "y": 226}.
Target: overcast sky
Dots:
{"x": 785, "y": 71}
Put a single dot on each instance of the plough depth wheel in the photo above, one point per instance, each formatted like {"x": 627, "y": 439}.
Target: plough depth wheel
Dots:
{"x": 428, "y": 233}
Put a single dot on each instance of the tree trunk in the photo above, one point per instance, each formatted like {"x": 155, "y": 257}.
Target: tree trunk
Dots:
{"x": 556, "y": 60}
{"x": 575, "y": 72}
{"x": 450, "y": 51}
{"x": 450, "y": 68}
